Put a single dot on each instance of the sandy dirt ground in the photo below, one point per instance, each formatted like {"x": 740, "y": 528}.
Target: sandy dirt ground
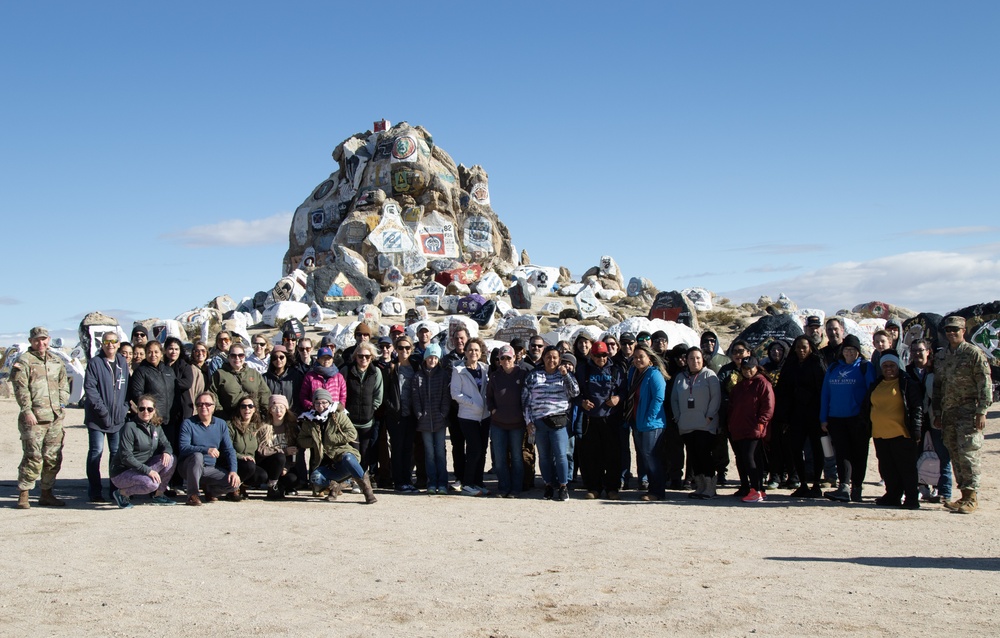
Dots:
{"x": 415, "y": 565}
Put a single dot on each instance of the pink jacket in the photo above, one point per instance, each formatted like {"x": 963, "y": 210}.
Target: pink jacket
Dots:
{"x": 313, "y": 380}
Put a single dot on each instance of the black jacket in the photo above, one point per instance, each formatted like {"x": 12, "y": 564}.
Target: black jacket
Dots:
{"x": 913, "y": 406}
{"x": 158, "y": 381}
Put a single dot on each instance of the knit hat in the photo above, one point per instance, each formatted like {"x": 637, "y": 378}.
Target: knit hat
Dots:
{"x": 279, "y": 398}
{"x": 851, "y": 341}
{"x": 321, "y": 393}
{"x": 568, "y": 358}
{"x": 433, "y": 350}
{"x": 888, "y": 357}
{"x": 363, "y": 329}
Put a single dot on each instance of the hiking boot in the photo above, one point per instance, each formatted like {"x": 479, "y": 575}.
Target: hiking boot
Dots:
{"x": 954, "y": 505}
{"x": 366, "y": 489}
{"x": 969, "y": 503}
{"x": 842, "y": 494}
{"x": 49, "y": 499}
{"x": 22, "y": 500}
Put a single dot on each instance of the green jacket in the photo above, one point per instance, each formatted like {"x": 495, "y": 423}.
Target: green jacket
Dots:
{"x": 228, "y": 386}
{"x": 327, "y": 439}
{"x": 962, "y": 379}
{"x": 40, "y": 385}
{"x": 245, "y": 443}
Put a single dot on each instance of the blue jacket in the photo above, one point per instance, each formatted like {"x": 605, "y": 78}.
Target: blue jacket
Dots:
{"x": 845, "y": 388}
{"x": 195, "y": 437}
{"x": 597, "y": 385}
{"x": 105, "y": 389}
{"x": 649, "y": 414}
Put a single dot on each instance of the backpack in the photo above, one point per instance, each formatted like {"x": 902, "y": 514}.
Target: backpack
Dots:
{"x": 928, "y": 463}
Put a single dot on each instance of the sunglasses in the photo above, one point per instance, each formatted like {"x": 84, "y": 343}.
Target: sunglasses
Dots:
{"x": 362, "y": 356}
{"x": 205, "y": 405}
{"x": 537, "y": 345}
{"x": 278, "y": 356}
{"x": 600, "y": 355}
{"x": 385, "y": 346}
{"x": 237, "y": 356}
{"x": 304, "y": 348}
{"x": 404, "y": 348}
{"x": 262, "y": 345}
{"x": 642, "y": 339}
{"x": 507, "y": 358}
{"x": 147, "y": 409}
{"x": 952, "y": 329}
{"x": 109, "y": 343}
{"x": 247, "y": 406}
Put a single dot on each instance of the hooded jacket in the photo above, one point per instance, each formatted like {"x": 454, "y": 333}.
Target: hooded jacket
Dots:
{"x": 845, "y": 388}
{"x": 706, "y": 394}
{"x": 597, "y": 385}
{"x": 715, "y": 359}
{"x": 105, "y": 387}
{"x": 798, "y": 391}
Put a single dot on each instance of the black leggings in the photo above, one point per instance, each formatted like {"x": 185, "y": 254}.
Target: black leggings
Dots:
{"x": 250, "y": 473}
{"x": 273, "y": 465}
{"x": 796, "y": 439}
{"x": 850, "y": 441}
{"x": 746, "y": 461}
{"x": 699, "y": 445}
{"x": 365, "y": 445}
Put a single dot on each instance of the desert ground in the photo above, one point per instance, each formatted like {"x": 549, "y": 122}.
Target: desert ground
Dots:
{"x": 415, "y": 565}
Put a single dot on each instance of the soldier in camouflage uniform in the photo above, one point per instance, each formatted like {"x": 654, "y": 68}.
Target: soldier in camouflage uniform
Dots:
{"x": 962, "y": 394}
{"x": 41, "y": 388}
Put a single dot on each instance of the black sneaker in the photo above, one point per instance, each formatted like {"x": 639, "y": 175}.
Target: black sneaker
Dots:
{"x": 562, "y": 494}
{"x": 548, "y": 492}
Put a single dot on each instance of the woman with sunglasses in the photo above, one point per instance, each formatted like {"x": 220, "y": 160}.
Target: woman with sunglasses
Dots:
{"x": 235, "y": 379}
{"x": 281, "y": 377}
{"x": 397, "y": 413}
{"x": 243, "y": 433}
{"x": 145, "y": 461}
{"x": 363, "y": 398}
{"x": 468, "y": 389}
{"x": 154, "y": 378}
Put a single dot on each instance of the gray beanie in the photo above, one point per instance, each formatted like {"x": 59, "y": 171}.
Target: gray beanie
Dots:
{"x": 322, "y": 393}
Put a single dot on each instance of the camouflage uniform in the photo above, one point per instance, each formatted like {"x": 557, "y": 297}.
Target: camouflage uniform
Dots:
{"x": 962, "y": 391}
{"x": 40, "y": 385}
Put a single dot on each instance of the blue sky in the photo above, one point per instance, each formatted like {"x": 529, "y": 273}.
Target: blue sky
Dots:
{"x": 837, "y": 152}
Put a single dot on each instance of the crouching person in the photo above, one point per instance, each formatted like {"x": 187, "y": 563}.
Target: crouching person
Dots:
{"x": 208, "y": 459}
{"x": 144, "y": 462}
{"x": 328, "y": 433}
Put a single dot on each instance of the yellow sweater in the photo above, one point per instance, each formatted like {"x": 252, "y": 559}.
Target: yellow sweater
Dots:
{"x": 888, "y": 415}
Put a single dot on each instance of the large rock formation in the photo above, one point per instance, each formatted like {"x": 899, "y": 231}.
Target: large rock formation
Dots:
{"x": 400, "y": 202}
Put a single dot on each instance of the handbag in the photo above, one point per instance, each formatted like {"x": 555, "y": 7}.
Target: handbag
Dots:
{"x": 928, "y": 463}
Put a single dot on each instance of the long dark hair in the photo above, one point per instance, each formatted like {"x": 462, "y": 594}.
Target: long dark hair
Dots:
{"x": 180, "y": 344}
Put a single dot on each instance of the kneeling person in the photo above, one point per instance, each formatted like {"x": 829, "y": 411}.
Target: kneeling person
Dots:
{"x": 329, "y": 434}
{"x": 144, "y": 462}
{"x": 208, "y": 459}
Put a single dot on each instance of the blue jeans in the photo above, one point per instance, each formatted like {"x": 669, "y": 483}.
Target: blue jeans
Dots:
{"x": 94, "y": 452}
{"x": 650, "y": 450}
{"x": 552, "y": 445}
{"x": 944, "y": 483}
{"x": 435, "y": 459}
{"x": 628, "y": 436}
{"x": 507, "y": 443}
{"x": 345, "y": 467}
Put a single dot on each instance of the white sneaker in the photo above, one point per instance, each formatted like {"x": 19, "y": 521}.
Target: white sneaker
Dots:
{"x": 471, "y": 490}
{"x": 355, "y": 489}
{"x": 456, "y": 486}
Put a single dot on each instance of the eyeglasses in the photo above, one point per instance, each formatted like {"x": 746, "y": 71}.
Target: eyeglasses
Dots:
{"x": 147, "y": 409}
{"x": 204, "y": 404}
{"x": 247, "y": 406}
{"x": 237, "y": 356}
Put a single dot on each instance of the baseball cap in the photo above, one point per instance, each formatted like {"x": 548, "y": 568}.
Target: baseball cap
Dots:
{"x": 599, "y": 347}
{"x": 324, "y": 352}
{"x": 627, "y": 337}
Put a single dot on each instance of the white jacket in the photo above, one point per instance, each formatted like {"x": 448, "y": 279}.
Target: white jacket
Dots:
{"x": 471, "y": 399}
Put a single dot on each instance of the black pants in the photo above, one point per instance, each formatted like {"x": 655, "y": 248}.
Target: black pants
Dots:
{"x": 751, "y": 471}
{"x": 774, "y": 449}
{"x": 699, "y": 445}
{"x": 457, "y": 448}
{"x": 600, "y": 454}
{"x": 250, "y": 473}
{"x": 673, "y": 452}
{"x": 477, "y": 435}
{"x": 850, "y": 442}
{"x": 383, "y": 460}
{"x": 402, "y": 434}
{"x": 796, "y": 439}
{"x": 897, "y": 463}
{"x": 272, "y": 465}
{"x": 365, "y": 445}
{"x": 720, "y": 452}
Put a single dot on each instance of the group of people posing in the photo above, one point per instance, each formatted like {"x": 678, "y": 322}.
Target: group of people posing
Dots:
{"x": 284, "y": 418}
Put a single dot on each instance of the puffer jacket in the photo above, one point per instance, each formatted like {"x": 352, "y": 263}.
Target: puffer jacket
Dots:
{"x": 316, "y": 379}
{"x": 430, "y": 399}
{"x": 751, "y": 407}
{"x": 158, "y": 381}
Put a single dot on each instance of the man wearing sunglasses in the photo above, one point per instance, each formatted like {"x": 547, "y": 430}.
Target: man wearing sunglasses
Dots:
{"x": 962, "y": 393}
{"x": 105, "y": 406}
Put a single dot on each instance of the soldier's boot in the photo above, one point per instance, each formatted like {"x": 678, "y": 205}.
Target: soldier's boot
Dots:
{"x": 957, "y": 503}
{"x": 969, "y": 504}
{"x": 22, "y": 500}
{"x": 366, "y": 489}
{"x": 49, "y": 499}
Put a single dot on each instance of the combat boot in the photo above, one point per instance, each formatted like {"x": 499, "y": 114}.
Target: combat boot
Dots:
{"x": 22, "y": 500}
{"x": 969, "y": 503}
{"x": 49, "y": 499}
{"x": 957, "y": 503}
{"x": 366, "y": 489}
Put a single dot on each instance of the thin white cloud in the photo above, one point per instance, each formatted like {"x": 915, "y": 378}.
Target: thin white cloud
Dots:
{"x": 9, "y": 301}
{"x": 780, "y": 249}
{"x": 236, "y": 232}
{"x": 955, "y": 230}
{"x": 925, "y": 281}
{"x": 770, "y": 268}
